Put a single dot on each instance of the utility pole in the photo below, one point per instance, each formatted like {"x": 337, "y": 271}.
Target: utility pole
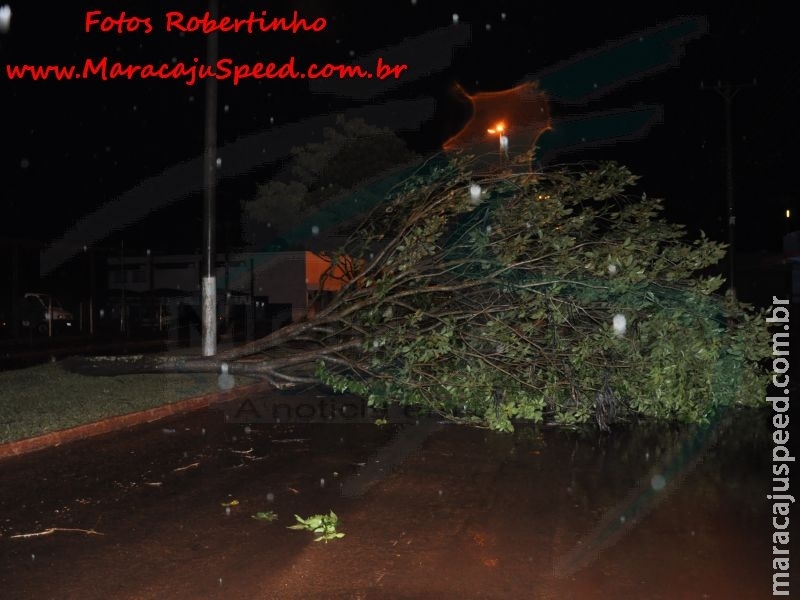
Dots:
{"x": 209, "y": 281}
{"x": 728, "y": 92}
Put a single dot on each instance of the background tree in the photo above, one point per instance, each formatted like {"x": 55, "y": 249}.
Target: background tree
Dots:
{"x": 349, "y": 154}
{"x": 491, "y": 297}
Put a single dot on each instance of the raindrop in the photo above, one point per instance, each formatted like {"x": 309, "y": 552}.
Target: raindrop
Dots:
{"x": 622, "y": 519}
{"x": 612, "y": 269}
{"x": 352, "y": 53}
{"x": 620, "y": 324}
{"x": 33, "y": 557}
{"x": 658, "y": 482}
{"x": 203, "y": 431}
{"x": 24, "y": 163}
{"x": 413, "y": 2}
{"x": 474, "y": 194}
{"x": 174, "y": 59}
{"x": 455, "y": 18}
{"x": 227, "y": 108}
{"x": 227, "y": 511}
{"x": 247, "y": 430}
{"x": 271, "y": 120}
{"x": 441, "y": 493}
{"x": 488, "y": 27}
{"x": 315, "y": 230}
{"x": 322, "y": 482}
{"x": 219, "y": 162}
{"x": 226, "y": 381}
{"x": 503, "y": 16}
{"x": 270, "y": 497}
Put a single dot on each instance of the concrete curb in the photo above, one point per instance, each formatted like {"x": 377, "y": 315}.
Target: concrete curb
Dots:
{"x": 119, "y": 422}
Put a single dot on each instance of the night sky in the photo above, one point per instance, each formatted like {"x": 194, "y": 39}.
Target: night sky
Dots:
{"x": 72, "y": 148}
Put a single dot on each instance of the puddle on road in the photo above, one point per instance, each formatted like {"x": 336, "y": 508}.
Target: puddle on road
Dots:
{"x": 646, "y": 512}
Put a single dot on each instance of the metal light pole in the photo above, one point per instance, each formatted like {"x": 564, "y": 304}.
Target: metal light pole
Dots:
{"x": 728, "y": 91}
{"x": 209, "y": 281}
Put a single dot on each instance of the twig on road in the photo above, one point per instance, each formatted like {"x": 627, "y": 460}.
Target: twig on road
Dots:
{"x": 191, "y": 466}
{"x": 52, "y": 530}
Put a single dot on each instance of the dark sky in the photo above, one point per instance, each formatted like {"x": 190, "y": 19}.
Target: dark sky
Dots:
{"x": 71, "y": 148}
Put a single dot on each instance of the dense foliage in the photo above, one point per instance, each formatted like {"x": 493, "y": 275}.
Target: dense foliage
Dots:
{"x": 552, "y": 296}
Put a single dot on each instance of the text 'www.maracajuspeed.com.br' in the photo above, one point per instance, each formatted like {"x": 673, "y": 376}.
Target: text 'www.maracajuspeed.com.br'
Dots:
{"x": 224, "y": 69}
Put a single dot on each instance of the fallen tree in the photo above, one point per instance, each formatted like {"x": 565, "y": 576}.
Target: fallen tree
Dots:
{"x": 493, "y": 297}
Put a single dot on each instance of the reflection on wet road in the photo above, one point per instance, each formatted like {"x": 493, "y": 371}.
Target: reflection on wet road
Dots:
{"x": 429, "y": 511}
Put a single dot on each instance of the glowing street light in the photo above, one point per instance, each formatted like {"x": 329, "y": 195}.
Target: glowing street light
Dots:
{"x": 500, "y": 130}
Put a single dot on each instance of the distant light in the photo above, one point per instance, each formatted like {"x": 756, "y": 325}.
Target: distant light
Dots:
{"x": 499, "y": 128}
{"x": 788, "y": 213}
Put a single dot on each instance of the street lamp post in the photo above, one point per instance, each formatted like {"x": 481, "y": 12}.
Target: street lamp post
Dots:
{"x": 500, "y": 131}
{"x": 209, "y": 281}
{"x": 728, "y": 91}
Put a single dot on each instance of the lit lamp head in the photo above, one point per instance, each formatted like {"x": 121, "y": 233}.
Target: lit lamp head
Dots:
{"x": 498, "y": 129}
